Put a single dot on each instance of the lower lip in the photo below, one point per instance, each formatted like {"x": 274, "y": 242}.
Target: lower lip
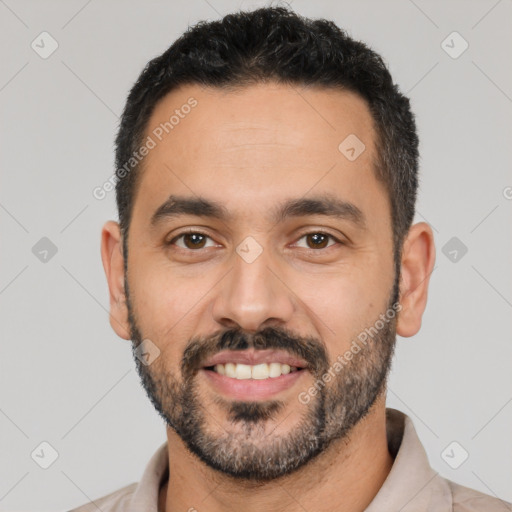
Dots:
{"x": 252, "y": 389}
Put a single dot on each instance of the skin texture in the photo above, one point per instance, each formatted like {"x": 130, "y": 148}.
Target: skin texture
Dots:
{"x": 251, "y": 150}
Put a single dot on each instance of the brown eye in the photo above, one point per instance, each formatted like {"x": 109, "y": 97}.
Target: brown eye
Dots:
{"x": 318, "y": 240}
{"x": 194, "y": 241}
{"x": 190, "y": 240}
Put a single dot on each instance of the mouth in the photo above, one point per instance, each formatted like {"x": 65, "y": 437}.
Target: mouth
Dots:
{"x": 261, "y": 371}
{"x": 253, "y": 374}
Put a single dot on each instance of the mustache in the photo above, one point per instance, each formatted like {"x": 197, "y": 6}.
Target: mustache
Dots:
{"x": 312, "y": 350}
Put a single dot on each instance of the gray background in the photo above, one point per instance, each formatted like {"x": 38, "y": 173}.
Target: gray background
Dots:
{"x": 67, "y": 379}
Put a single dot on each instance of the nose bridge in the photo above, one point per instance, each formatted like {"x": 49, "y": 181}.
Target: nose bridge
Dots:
{"x": 251, "y": 294}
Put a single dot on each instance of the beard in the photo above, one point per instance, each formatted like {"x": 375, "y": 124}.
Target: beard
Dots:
{"x": 253, "y": 450}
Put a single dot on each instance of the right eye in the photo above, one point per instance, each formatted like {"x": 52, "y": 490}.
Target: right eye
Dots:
{"x": 192, "y": 240}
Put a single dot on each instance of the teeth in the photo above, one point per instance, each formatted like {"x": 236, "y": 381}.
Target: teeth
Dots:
{"x": 243, "y": 371}
{"x": 219, "y": 368}
{"x": 258, "y": 371}
{"x": 230, "y": 370}
{"x": 274, "y": 369}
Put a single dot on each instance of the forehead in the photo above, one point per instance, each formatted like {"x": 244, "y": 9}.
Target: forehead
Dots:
{"x": 258, "y": 142}
{"x": 272, "y": 113}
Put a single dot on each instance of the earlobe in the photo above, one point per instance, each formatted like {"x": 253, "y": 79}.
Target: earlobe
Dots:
{"x": 417, "y": 264}
{"x": 113, "y": 264}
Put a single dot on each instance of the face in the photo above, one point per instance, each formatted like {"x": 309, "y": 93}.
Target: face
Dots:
{"x": 261, "y": 273}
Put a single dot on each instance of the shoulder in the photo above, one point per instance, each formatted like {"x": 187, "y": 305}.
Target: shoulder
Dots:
{"x": 116, "y": 501}
{"x": 469, "y": 500}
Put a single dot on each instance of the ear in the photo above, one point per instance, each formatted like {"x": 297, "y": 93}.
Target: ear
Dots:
{"x": 418, "y": 258}
{"x": 113, "y": 263}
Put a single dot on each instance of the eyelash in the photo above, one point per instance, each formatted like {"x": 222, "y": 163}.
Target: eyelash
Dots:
{"x": 194, "y": 232}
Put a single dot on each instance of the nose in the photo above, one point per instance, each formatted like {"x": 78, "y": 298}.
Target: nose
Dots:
{"x": 253, "y": 295}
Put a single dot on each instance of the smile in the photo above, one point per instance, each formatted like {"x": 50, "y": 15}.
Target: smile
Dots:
{"x": 259, "y": 371}
{"x": 253, "y": 374}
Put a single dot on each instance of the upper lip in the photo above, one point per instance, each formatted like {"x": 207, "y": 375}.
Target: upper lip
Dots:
{"x": 252, "y": 357}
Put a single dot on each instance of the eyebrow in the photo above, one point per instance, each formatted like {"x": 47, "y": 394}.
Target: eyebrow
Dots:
{"x": 326, "y": 205}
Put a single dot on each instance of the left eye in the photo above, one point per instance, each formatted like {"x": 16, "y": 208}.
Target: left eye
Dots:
{"x": 318, "y": 240}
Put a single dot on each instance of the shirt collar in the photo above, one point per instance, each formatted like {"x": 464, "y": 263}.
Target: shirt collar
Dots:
{"x": 412, "y": 485}
{"x": 147, "y": 491}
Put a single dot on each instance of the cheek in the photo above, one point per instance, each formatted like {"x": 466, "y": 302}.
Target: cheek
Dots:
{"x": 161, "y": 309}
{"x": 343, "y": 305}
{"x": 162, "y": 296}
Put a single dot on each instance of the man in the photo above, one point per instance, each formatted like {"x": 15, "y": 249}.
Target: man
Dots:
{"x": 264, "y": 261}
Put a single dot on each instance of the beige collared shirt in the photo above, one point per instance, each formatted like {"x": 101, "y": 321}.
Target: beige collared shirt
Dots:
{"x": 411, "y": 486}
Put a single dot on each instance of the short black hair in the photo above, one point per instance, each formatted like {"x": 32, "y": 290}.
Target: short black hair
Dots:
{"x": 276, "y": 44}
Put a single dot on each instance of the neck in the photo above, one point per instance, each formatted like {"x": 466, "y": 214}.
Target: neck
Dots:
{"x": 345, "y": 477}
